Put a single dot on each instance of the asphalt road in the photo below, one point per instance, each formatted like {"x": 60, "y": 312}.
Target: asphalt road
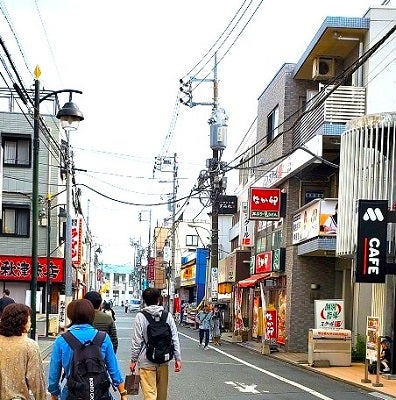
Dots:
{"x": 232, "y": 372}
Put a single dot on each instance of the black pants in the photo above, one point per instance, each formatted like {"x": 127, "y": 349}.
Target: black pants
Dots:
{"x": 202, "y": 333}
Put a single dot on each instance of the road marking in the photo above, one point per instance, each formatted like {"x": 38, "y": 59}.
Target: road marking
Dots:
{"x": 266, "y": 372}
{"x": 243, "y": 388}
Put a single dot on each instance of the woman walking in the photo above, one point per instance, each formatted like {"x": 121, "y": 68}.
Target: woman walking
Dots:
{"x": 204, "y": 320}
{"x": 21, "y": 366}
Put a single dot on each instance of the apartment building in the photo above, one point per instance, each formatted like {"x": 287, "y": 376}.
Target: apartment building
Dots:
{"x": 302, "y": 114}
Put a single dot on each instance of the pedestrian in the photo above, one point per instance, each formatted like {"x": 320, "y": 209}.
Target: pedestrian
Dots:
{"x": 21, "y": 366}
{"x": 103, "y": 321}
{"x": 109, "y": 310}
{"x": 204, "y": 320}
{"x": 81, "y": 313}
{"x": 216, "y": 325}
{"x": 153, "y": 377}
{"x": 385, "y": 355}
{"x": 5, "y": 300}
{"x": 126, "y": 306}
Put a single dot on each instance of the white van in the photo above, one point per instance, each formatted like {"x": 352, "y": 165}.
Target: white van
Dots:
{"x": 134, "y": 305}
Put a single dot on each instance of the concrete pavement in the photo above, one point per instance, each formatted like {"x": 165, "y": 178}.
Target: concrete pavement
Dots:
{"x": 353, "y": 374}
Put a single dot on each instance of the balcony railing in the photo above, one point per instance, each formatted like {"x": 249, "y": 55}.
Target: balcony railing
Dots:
{"x": 344, "y": 104}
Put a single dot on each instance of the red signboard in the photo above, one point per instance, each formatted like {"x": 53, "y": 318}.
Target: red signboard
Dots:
{"x": 76, "y": 241}
{"x": 151, "y": 269}
{"x": 19, "y": 268}
{"x": 271, "y": 325}
{"x": 264, "y": 262}
{"x": 99, "y": 275}
{"x": 264, "y": 204}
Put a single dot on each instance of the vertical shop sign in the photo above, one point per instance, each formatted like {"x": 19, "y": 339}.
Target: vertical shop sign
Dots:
{"x": 76, "y": 241}
{"x": 255, "y": 322}
{"x": 62, "y": 311}
{"x": 271, "y": 325}
{"x": 151, "y": 269}
{"x": 370, "y": 265}
{"x": 214, "y": 285}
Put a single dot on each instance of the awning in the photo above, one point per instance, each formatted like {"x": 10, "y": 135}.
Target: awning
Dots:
{"x": 251, "y": 281}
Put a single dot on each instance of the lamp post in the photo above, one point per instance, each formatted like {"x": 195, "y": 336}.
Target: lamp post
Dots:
{"x": 70, "y": 116}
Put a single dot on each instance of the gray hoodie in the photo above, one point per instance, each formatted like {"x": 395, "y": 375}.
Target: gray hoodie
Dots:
{"x": 138, "y": 352}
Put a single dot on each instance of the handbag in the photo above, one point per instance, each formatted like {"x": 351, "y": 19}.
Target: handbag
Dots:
{"x": 132, "y": 384}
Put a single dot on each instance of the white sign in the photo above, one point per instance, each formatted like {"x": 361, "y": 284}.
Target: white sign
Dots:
{"x": 62, "y": 311}
{"x": 214, "y": 286}
{"x": 329, "y": 314}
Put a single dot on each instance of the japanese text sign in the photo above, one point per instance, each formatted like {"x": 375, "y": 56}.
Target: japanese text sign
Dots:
{"x": 271, "y": 325}
{"x": 19, "y": 268}
{"x": 264, "y": 262}
{"x": 329, "y": 314}
{"x": 264, "y": 204}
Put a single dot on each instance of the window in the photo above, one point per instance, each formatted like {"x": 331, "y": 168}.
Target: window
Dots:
{"x": 192, "y": 240}
{"x": 273, "y": 124}
{"x": 15, "y": 221}
{"x": 16, "y": 151}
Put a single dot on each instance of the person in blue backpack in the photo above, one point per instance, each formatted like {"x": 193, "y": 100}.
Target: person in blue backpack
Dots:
{"x": 154, "y": 327}
{"x": 81, "y": 313}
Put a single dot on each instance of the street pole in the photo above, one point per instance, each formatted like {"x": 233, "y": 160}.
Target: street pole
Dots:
{"x": 35, "y": 201}
{"x": 173, "y": 236}
{"x": 68, "y": 238}
{"x": 70, "y": 117}
{"x": 48, "y": 282}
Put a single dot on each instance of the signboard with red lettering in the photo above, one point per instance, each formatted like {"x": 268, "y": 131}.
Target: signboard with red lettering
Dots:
{"x": 76, "y": 241}
{"x": 264, "y": 262}
{"x": 370, "y": 265}
{"x": 151, "y": 269}
{"x": 19, "y": 268}
{"x": 264, "y": 204}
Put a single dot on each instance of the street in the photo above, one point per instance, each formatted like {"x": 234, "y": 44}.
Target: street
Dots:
{"x": 232, "y": 372}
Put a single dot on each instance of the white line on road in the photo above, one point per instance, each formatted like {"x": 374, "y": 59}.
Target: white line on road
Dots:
{"x": 264, "y": 371}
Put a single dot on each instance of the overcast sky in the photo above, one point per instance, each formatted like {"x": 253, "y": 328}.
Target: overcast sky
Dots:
{"x": 127, "y": 57}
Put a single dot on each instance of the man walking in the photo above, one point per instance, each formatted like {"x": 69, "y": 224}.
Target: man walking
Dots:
{"x": 102, "y": 321}
{"x": 5, "y": 300}
{"x": 153, "y": 376}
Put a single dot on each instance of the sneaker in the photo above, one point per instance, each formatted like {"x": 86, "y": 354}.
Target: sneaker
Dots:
{"x": 386, "y": 370}
{"x": 206, "y": 348}
{"x": 200, "y": 345}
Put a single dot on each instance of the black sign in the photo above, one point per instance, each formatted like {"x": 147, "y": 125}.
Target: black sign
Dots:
{"x": 370, "y": 265}
{"x": 228, "y": 205}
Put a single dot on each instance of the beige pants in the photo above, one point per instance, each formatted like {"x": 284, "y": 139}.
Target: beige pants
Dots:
{"x": 154, "y": 382}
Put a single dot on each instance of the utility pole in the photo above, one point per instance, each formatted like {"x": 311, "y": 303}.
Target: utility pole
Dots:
{"x": 218, "y": 142}
{"x": 173, "y": 236}
{"x": 218, "y": 138}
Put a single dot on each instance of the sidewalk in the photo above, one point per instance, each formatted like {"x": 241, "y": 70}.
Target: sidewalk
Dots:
{"x": 353, "y": 374}
{"x": 45, "y": 345}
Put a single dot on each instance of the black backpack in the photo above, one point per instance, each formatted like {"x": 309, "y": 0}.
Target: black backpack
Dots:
{"x": 88, "y": 377}
{"x": 159, "y": 346}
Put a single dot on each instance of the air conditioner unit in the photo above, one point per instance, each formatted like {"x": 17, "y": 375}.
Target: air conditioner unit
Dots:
{"x": 323, "y": 68}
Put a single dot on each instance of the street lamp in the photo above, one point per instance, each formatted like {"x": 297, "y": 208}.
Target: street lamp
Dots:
{"x": 70, "y": 116}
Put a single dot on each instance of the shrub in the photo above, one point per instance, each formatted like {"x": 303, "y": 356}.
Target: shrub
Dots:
{"x": 359, "y": 350}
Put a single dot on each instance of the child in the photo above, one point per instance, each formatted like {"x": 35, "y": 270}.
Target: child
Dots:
{"x": 385, "y": 356}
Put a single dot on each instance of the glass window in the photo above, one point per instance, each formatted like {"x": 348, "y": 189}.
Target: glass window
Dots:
{"x": 192, "y": 240}
{"x": 15, "y": 221}
{"x": 16, "y": 151}
{"x": 273, "y": 124}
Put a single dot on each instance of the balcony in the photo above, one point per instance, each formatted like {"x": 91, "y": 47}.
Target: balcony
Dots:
{"x": 328, "y": 115}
